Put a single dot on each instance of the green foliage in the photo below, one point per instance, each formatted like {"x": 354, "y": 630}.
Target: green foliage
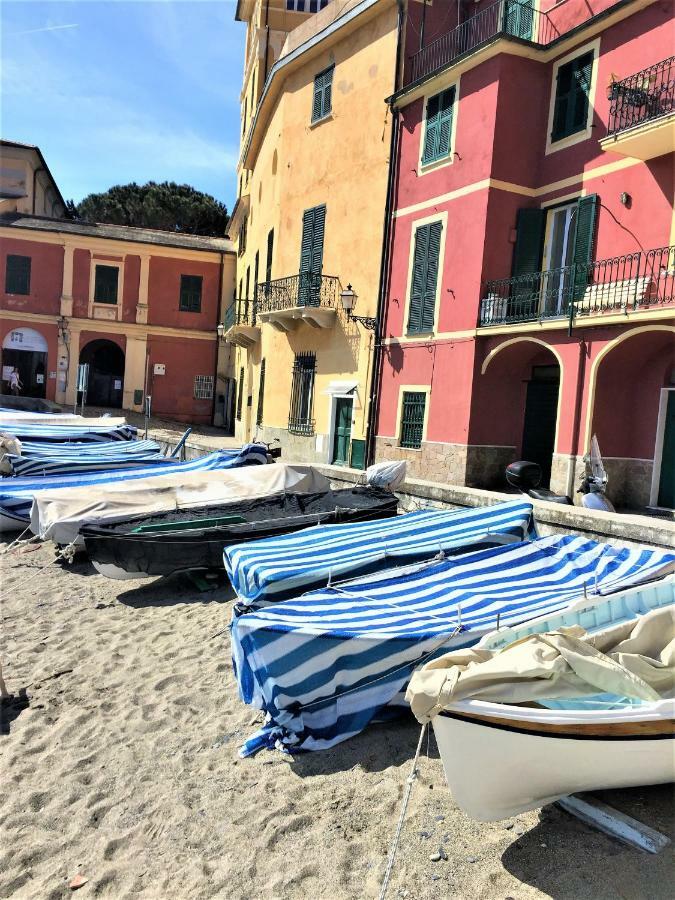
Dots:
{"x": 167, "y": 206}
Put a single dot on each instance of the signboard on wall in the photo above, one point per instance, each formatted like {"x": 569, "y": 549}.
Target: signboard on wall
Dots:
{"x": 159, "y": 369}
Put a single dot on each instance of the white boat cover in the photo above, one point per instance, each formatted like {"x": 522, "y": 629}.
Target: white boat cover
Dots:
{"x": 33, "y": 418}
{"x": 633, "y": 659}
{"x": 58, "y": 515}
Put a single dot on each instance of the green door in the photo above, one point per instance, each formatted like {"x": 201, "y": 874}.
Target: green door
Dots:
{"x": 667, "y": 479}
{"x": 343, "y": 431}
{"x": 541, "y": 410}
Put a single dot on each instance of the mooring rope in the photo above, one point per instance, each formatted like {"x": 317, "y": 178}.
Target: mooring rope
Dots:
{"x": 404, "y": 806}
{"x": 17, "y": 541}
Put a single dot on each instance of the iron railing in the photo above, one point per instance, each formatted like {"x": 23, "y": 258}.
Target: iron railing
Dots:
{"x": 642, "y": 97}
{"x": 412, "y": 419}
{"x": 239, "y": 312}
{"x": 503, "y": 18}
{"x": 305, "y": 289}
{"x": 622, "y": 283}
{"x": 300, "y": 419}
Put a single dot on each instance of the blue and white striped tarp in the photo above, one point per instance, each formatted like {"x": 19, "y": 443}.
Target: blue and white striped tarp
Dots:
{"x": 16, "y": 494}
{"x": 48, "y": 458}
{"x": 274, "y": 568}
{"x": 327, "y": 664}
{"x": 68, "y": 432}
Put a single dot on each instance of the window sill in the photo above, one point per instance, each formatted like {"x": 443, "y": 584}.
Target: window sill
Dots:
{"x": 327, "y": 118}
{"x": 105, "y": 304}
{"x": 437, "y": 163}
{"x": 414, "y": 334}
{"x": 412, "y": 449}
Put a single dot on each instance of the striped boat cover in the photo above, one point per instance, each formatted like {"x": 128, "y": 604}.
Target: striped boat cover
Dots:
{"x": 16, "y": 494}
{"x": 68, "y": 432}
{"x": 325, "y": 665}
{"x": 280, "y": 567}
{"x": 67, "y": 459}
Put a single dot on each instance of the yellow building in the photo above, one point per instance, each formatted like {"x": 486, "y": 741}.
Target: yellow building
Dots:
{"x": 309, "y": 219}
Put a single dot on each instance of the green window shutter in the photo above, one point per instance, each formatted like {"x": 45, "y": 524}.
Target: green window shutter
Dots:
{"x": 190, "y": 293}
{"x": 426, "y": 255}
{"x": 105, "y": 284}
{"x": 323, "y": 94}
{"x": 17, "y": 274}
{"x": 412, "y": 419}
{"x": 573, "y": 85}
{"x": 584, "y": 237}
{"x": 240, "y": 392}
{"x": 527, "y": 261}
{"x": 518, "y": 18}
{"x": 438, "y": 129}
{"x": 311, "y": 255}
{"x": 261, "y": 394}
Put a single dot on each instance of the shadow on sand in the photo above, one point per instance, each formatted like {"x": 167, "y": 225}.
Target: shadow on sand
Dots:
{"x": 175, "y": 589}
{"x": 11, "y": 708}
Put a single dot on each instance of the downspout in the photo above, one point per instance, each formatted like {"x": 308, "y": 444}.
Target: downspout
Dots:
{"x": 576, "y": 425}
{"x": 219, "y": 316}
{"x": 376, "y": 375}
{"x": 267, "y": 39}
{"x": 423, "y": 22}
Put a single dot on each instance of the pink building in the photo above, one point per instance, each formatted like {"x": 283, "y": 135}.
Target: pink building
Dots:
{"x": 531, "y": 269}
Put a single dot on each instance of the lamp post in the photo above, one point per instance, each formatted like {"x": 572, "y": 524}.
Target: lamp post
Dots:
{"x": 349, "y": 298}
{"x": 220, "y": 331}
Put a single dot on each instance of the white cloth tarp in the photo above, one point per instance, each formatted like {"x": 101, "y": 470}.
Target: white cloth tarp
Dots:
{"x": 633, "y": 659}
{"x": 58, "y": 515}
{"x": 22, "y": 417}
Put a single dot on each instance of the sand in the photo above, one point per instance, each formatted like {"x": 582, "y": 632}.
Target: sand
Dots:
{"x": 121, "y": 765}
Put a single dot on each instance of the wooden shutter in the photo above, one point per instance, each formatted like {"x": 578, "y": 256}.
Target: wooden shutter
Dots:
{"x": 421, "y": 312}
{"x": 17, "y": 274}
{"x": 573, "y": 85}
{"x": 323, "y": 94}
{"x": 584, "y": 237}
{"x": 327, "y": 92}
{"x": 261, "y": 394}
{"x": 270, "y": 250}
{"x": 307, "y": 240}
{"x": 438, "y": 129}
{"x": 530, "y": 226}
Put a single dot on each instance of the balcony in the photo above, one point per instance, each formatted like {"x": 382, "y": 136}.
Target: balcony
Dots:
{"x": 641, "y": 121}
{"x": 506, "y": 18}
{"x": 621, "y": 285}
{"x": 240, "y": 324}
{"x": 286, "y": 302}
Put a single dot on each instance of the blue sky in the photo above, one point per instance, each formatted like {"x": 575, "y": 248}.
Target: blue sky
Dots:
{"x": 129, "y": 91}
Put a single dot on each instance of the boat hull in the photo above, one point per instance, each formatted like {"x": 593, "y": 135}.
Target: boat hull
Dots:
{"x": 117, "y": 552}
{"x": 499, "y": 764}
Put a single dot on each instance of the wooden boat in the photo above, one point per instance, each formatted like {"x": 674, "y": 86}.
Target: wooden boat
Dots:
{"x": 503, "y": 758}
{"x": 194, "y": 538}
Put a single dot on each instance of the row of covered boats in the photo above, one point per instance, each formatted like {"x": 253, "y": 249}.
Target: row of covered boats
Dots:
{"x": 545, "y": 663}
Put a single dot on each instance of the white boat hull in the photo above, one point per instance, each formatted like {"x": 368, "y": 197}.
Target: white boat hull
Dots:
{"x": 500, "y": 769}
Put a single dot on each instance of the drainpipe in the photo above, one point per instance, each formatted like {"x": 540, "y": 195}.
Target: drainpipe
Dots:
{"x": 376, "y": 376}
{"x": 576, "y": 425}
{"x": 267, "y": 39}
{"x": 423, "y": 22}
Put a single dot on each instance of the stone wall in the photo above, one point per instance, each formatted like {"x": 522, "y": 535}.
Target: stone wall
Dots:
{"x": 296, "y": 447}
{"x": 628, "y": 485}
{"x": 476, "y": 466}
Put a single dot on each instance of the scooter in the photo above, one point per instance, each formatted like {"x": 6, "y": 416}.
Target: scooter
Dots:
{"x": 526, "y": 477}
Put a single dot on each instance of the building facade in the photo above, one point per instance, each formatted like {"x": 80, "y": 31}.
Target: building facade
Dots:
{"x": 530, "y": 292}
{"x": 26, "y": 184}
{"x": 309, "y": 220}
{"x": 140, "y": 306}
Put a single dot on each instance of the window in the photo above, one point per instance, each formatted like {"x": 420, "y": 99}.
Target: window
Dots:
{"x": 243, "y": 116}
{"x": 323, "y": 93}
{"x": 270, "y": 251}
{"x": 424, "y": 279}
{"x": 190, "y": 293}
{"x": 240, "y": 392}
{"x": 306, "y": 5}
{"x": 302, "y": 394}
{"x": 573, "y": 86}
{"x": 438, "y": 129}
{"x": 17, "y": 275}
{"x": 413, "y": 407}
{"x": 243, "y": 233}
{"x": 261, "y": 395}
{"x": 105, "y": 284}
{"x": 203, "y": 387}
{"x": 311, "y": 256}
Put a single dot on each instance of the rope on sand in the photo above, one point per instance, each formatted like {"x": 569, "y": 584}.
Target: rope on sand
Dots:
{"x": 404, "y": 806}
{"x": 17, "y": 541}
{"x": 67, "y": 554}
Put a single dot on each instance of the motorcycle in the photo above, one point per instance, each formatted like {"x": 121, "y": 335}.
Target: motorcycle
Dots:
{"x": 526, "y": 477}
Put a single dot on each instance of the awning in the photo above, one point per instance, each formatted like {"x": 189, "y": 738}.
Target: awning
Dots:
{"x": 340, "y": 387}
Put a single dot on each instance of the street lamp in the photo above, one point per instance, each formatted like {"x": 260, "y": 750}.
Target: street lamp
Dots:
{"x": 349, "y": 298}
{"x": 221, "y": 331}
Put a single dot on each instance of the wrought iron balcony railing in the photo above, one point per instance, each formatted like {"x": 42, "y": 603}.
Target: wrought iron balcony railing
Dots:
{"x": 623, "y": 283}
{"x": 239, "y": 312}
{"x": 642, "y": 97}
{"x": 305, "y": 289}
{"x": 503, "y": 18}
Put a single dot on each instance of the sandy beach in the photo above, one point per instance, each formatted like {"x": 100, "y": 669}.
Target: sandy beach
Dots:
{"x": 118, "y": 761}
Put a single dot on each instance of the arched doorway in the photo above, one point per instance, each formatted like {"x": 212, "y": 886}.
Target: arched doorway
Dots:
{"x": 106, "y": 373}
{"x": 633, "y": 416}
{"x": 514, "y": 409}
{"x": 25, "y": 349}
